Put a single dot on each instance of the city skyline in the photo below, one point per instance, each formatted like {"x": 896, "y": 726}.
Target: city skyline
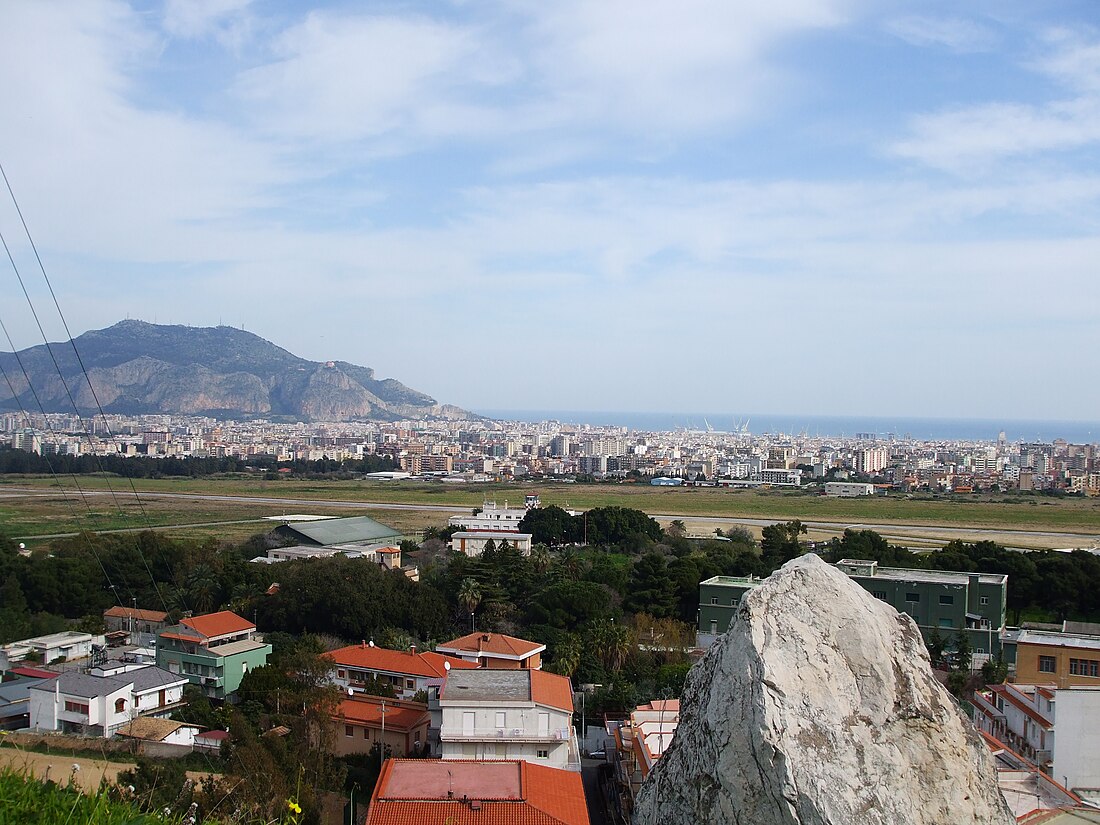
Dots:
{"x": 833, "y": 206}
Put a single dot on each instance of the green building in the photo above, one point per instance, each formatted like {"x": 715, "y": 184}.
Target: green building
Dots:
{"x": 949, "y": 602}
{"x": 213, "y": 651}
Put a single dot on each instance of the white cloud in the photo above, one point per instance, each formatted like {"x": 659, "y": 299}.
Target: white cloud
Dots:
{"x": 978, "y": 138}
{"x": 228, "y": 21}
{"x": 343, "y": 77}
{"x": 954, "y": 33}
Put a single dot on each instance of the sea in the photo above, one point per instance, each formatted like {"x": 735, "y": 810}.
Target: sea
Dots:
{"x": 883, "y": 427}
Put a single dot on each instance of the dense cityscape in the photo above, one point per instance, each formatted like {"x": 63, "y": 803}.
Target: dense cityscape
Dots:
{"x": 481, "y": 451}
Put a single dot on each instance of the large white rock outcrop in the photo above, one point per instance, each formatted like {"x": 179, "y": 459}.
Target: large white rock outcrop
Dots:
{"x": 819, "y": 707}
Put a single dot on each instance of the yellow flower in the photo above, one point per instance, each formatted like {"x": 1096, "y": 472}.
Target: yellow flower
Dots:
{"x": 294, "y": 806}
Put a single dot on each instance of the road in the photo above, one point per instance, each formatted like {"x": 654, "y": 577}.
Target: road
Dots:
{"x": 933, "y": 533}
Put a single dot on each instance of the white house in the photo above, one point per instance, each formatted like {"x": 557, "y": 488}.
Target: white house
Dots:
{"x": 79, "y": 703}
{"x": 98, "y": 704}
{"x": 1053, "y": 728}
{"x": 494, "y": 518}
{"x": 505, "y": 714}
{"x": 848, "y": 489}
{"x": 67, "y": 645}
{"x": 474, "y": 542}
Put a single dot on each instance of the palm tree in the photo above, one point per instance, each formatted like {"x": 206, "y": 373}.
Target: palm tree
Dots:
{"x": 611, "y": 643}
{"x": 567, "y": 656}
{"x": 469, "y": 594}
{"x": 541, "y": 559}
{"x": 202, "y": 587}
{"x": 572, "y": 564}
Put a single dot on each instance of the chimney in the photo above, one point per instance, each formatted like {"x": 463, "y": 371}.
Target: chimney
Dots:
{"x": 362, "y": 643}
{"x": 412, "y": 649}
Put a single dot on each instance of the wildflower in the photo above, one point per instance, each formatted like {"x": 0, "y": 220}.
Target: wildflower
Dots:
{"x": 76, "y": 768}
{"x": 294, "y": 806}
{"x": 131, "y": 788}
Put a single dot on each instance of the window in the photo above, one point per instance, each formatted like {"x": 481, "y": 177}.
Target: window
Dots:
{"x": 244, "y": 667}
{"x": 120, "y": 705}
{"x": 409, "y": 684}
{"x": 339, "y": 674}
{"x": 1046, "y": 664}
{"x": 500, "y": 719}
{"x": 983, "y": 600}
{"x": 714, "y": 600}
{"x": 1084, "y": 667}
{"x": 947, "y": 623}
{"x": 879, "y": 594}
{"x": 349, "y": 730}
{"x": 366, "y": 733}
{"x": 75, "y": 707}
{"x": 912, "y": 597}
{"x": 542, "y": 754}
{"x": 947, "y": 599}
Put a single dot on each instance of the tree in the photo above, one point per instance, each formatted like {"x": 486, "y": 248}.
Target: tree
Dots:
{"x": 677, "y": 529}
{"x": 568, "y": 653}
{"x": 549, "y": 525}
{"x": 779, "y": 543}
{"x": 469, "y": 596}
{"x": 611, "y": 642}
{"x": 650, "y": 589}
{"x": 936, "y": 645}
{"x": 963, "y": 656}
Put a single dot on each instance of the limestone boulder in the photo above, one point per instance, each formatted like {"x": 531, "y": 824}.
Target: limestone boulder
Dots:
{"x": 819, "y": 707}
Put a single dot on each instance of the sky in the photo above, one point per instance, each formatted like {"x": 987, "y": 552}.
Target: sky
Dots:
{"x": 833, "y": 207}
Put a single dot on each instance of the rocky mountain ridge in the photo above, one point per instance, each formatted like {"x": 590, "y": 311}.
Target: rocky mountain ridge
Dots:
{"x": 137, "y": 367}
{"x": 819, "y": 707}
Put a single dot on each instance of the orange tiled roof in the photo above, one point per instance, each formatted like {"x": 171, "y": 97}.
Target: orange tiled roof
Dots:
{"x": 218, "y": 624}
{"x": 551, "y": 690}
{"x": 414, "y": 792}
{"x": 492, "y": 643}
{"x": 135, "y": 613}
{"x": 661, "y": 705}
{"x": 427, "y": 664}
{"x": 368, "y": 711}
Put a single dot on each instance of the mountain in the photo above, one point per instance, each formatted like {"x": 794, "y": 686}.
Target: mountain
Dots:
{"x": 138, "y": 367}
{"x": 819, "y": 707}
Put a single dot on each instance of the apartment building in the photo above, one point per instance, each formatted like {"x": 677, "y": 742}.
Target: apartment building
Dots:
{"x": 406, "y": 672}
{"x": 213, "y": 651}
{"x": 495, "y": 650}
{"x": 942, "y": 601}
{"x": 1047, "y": 657}
{"x": 430, "y": 792}
{"x": 506, "y": 714}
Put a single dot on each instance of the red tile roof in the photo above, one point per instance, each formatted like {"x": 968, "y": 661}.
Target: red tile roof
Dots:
{"x": 1020, "y": 701}
{"x": 367, "y": 710}
{"x": 33, "y": 672}
{"x": 416, "y": 792}
{"x": 661, "y": 706}
{"x": 551, "y": 690}
{"x": 218, "y": 624}
{"x": 135, "y": 613}
{"x": 491, "y": 643}
{"x": 428, "y": 665}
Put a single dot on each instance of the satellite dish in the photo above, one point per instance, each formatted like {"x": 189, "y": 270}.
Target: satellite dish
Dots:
{"x": 446, "y": 665}
{"x": 351, "y": 692}
{"x": 22, "y": 546}
{"x": 371, "y": 643}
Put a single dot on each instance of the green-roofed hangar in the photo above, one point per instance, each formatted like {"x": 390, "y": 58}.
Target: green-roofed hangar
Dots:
{"x": 354, "y": 530}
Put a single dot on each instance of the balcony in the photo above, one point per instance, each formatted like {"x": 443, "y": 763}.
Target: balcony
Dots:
{"x": 505, "y": 735}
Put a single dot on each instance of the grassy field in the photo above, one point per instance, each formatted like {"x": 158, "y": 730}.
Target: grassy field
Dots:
{"x": 35, "y": 516}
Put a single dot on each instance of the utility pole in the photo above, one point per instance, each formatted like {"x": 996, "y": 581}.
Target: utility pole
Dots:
{"x": 382, "y": 741}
